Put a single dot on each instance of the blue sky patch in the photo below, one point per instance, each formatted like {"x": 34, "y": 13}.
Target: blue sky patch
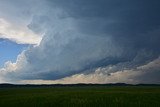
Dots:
{"x": 9, "y": 51}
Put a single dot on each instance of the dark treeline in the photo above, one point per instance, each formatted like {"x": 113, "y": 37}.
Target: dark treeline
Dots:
{"x": 6, "y": 85}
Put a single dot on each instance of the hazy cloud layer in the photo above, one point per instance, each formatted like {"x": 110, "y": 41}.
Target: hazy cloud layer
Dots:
{"x": 117, "y": 39}
{"x": 148, "y": 73}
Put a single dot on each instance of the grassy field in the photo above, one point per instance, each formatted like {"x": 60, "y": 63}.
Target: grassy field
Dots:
{"x": 88, "y": 96}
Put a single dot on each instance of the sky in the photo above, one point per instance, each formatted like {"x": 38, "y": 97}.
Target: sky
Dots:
{"x": 9, "y": 51}
{"x": 79, "y": 41}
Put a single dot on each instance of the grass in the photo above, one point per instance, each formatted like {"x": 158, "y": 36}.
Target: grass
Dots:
{"x": 88, "y": 96}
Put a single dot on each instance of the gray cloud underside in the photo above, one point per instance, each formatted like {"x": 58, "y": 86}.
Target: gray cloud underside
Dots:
{"x": 83, "y": 35}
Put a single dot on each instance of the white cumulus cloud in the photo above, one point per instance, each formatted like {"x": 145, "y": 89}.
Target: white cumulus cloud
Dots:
{"x": 18, "y": 34}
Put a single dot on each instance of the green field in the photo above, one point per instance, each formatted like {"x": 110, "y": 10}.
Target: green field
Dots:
{"x": 88, "y": 96}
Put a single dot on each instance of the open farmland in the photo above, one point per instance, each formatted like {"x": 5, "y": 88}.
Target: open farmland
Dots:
{"x": 81, "y": 96}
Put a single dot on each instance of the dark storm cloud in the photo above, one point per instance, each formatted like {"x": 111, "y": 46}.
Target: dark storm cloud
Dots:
{"x": 82, "y": 35}
{"x": 132, "y": 23}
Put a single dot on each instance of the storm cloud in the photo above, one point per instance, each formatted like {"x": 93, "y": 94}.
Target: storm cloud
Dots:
{"x": 81, "y": 36}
